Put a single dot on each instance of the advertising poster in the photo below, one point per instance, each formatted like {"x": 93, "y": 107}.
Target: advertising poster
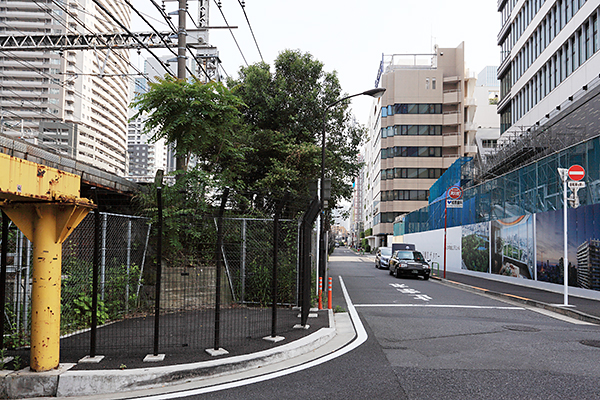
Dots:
{"x": 513, "y": 247}
{"x": 476, "y": 247}
{"x": 583, "y": 246}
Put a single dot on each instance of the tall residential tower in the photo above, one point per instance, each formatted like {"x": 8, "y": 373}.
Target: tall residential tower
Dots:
{"x": 73, "y": 101}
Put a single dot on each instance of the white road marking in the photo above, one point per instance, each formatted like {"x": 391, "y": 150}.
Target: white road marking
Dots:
{"x": 441, "y": 306}
{"x": 361, "y": 337}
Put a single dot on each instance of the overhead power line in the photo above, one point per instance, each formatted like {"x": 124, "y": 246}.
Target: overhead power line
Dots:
{"x": 243, "y": 5}
{"x": 218, "y": 3}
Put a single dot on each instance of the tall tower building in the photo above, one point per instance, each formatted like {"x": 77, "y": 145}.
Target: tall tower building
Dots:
{"x": 549, "y": 51}
{"x": 423, "y": 123}
{"x": 145, "y": 156}
{"x": 73, "y": 101}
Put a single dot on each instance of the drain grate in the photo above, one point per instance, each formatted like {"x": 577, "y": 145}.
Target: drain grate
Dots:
{"x": 593, "y": 343}
{"x": 521, "y": 328}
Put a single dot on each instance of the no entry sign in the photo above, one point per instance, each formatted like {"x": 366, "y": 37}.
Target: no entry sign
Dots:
{"x": 576, "y": 172}
{"x": 455, "y": 192}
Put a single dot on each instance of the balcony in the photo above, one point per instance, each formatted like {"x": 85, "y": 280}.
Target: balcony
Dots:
{"x": 451, "y": 96}
{"x": 451, "y": 118}
{"x": 451, "y": 140}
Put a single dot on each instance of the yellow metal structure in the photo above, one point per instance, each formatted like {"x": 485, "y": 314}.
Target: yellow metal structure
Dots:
{"x": 45, "y": 205}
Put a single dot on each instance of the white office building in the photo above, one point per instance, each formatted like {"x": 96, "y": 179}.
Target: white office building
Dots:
{"x": 73, "y": 101}
{"x": 549, "y": 51}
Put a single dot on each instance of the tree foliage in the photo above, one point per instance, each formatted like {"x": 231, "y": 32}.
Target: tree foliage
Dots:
{"x": 261, "y": 134}
{"x": 285, "y": 112}
{"x": 202, "y": 120}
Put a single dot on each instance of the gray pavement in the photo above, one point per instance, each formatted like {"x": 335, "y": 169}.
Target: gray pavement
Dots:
{"x": 102, "y": 383}
{"x": 113, "y": 384}
{"x": 581, "y": 308}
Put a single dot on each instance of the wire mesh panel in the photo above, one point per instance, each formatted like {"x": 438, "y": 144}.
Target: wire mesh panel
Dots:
{"x": 17, "y": 311}
{"x": 127, "y": 277}
{"x": 188, "y": 301}
{"x": 122, "y": 250}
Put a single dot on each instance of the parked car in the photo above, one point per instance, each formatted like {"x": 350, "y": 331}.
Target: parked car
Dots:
{"x": 382, "y": 258}
{"x": 409, "y": 262}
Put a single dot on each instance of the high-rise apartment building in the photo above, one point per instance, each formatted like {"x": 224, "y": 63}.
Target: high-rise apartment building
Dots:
{"x": 73, "y": 101}
{"x": 588, "y": 265}
{"x": 145, "y": 155}
{"x": 421, "y": 125}
{"x": 549, "y": 51}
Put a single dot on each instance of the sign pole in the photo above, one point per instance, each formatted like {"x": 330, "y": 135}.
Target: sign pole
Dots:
{"x": 576, "y": 173}
{"x": 565, "y": 257}
{"x": 445, "y": 227}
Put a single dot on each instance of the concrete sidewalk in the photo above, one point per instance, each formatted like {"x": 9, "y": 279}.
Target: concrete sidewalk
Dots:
{"x": 113, "y": 384}
{"x": 580, "y": 308}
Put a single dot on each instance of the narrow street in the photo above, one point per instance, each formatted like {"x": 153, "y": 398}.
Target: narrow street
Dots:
{"x": 429, "y": 340}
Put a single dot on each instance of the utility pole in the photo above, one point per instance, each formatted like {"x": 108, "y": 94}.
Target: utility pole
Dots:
{"x": 180, "y": 161}
{"x": 205, "y": 52}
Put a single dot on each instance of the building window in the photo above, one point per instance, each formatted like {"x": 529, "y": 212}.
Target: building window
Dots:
{"x": 433, "y": 83}
{"x": 427, "y": 84}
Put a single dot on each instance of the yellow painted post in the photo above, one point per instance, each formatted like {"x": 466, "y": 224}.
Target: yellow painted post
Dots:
{"x": 45, "y": 205}
{"x": 45, "y": 302}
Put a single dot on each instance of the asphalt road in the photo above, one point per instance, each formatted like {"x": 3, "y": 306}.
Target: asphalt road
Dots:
{"x": 429, "y": 340}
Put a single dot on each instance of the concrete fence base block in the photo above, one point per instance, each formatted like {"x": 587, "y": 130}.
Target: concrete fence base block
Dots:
{"x": 274, "y": 339}
{"x": 154, "y": 358}
{"x": 217, "y": 352}
{"x": 91, "y": 360}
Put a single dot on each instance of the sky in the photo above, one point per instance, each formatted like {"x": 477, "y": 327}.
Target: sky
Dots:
{"x": 348, "y": 36}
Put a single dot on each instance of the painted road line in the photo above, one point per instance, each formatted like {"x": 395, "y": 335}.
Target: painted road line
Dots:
{"x": 442, "y": 306}
{"x": 361, "y": 337}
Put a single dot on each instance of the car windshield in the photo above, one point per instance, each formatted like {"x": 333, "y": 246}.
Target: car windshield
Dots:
{"x": 410, "y": 255}
{"x": 386, "y": 251}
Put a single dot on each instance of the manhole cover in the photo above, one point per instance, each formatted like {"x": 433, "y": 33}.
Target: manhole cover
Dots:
{"x": 593, "y": 343}
{"x": 521, "y": 328}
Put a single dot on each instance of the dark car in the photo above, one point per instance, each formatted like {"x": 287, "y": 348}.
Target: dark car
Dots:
{"x": 382, "y": 258}
{"x": 409, "y": 263}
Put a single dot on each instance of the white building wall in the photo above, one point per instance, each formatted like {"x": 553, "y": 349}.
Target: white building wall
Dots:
{"x": 526, "y": 111}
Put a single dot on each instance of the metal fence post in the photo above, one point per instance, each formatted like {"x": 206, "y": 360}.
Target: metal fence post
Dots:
{"x": 95, "y": 268}
{"x": 3, "y": 275}
{"x": 274, "y": 272}
{"x": 18, "y": 262}
{"x": 307, "y": 221}
{"x": 158, "y": 270}
{"x": 26, "y": 289}
{"x": 216, "y": 348}
{"x": 243, "y": 266}
{"x": 103, "y": 274}
{"x": 128, "y": 265}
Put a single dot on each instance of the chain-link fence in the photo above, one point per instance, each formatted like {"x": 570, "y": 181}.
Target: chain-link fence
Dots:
{"x": 188, "y": 317}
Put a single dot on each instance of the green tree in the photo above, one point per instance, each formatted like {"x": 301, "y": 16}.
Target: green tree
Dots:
{"x": 284, "y": 112}
{"x": 203, "y": 120}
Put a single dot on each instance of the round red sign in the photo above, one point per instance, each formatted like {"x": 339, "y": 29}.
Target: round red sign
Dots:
{"x": 576, "y": 172}
{"x": 455, "y": 192}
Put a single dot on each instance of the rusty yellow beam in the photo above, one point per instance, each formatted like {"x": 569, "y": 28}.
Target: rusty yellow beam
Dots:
{"x": 21, "y": 179}
{"x": 45, "y": 204}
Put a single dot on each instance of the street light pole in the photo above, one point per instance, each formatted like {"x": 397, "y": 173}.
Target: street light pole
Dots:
{"x": 322, "y": 249}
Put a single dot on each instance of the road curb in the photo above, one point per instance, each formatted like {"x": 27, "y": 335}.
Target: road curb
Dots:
{"x": 64, "y": 383}
{"x": 578, "y": 315}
